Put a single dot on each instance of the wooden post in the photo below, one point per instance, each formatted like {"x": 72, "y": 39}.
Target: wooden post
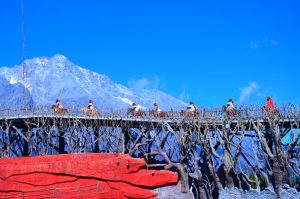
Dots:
{"x": 96, "y": 133}
{"x": 61, "y": 141}
{"x": 26, "y": 130}
{"x": 26, "y": 144}
{"x": 126, "y": 132}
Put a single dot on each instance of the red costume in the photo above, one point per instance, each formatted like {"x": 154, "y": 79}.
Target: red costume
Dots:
{"x": 269, "y": 104}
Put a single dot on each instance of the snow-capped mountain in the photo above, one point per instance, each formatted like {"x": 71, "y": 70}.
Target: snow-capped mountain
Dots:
{"x": 57, "y": 77}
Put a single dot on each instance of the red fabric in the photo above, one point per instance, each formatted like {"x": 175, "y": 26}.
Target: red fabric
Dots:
{"x": 270, "y": 104}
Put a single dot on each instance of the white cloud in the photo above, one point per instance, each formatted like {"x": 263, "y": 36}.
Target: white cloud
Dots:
{"x": 254, "y": 44}
{"x": 145, "y": 83}
{"x": 246, "y": 92}
{"x": 263, "y": 43}
{"x": 273, "y": 42}
{"x": 184, "y": 95}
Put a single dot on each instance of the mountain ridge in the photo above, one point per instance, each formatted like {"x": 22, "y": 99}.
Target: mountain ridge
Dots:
{"x": 48, "y": 78}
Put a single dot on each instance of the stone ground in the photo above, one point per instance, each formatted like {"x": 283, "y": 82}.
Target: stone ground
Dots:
{"x": 286, "y": 193}
{"x": 171, "y": 192}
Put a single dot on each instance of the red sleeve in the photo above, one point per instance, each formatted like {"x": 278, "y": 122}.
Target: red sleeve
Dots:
{"x": 272, "y": 104}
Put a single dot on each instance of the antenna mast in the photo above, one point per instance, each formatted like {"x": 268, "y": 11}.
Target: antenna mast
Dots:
{"x": 25, "y": 103}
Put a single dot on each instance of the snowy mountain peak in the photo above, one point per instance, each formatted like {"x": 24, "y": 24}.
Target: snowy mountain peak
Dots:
{"x": 56, "y": 58}
{"x": 56, "y": 62}
{"x": 59, "y": 57}
{"x": 57, "y": 77}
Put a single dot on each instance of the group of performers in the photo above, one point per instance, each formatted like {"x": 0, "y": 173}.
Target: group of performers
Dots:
{"x": 190, "y": 110}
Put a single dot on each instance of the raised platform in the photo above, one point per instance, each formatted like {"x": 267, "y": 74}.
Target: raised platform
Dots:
{"x": 19, "y": 120}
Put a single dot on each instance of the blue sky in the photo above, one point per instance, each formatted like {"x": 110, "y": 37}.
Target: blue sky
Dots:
{"x": 205, "y": 51}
